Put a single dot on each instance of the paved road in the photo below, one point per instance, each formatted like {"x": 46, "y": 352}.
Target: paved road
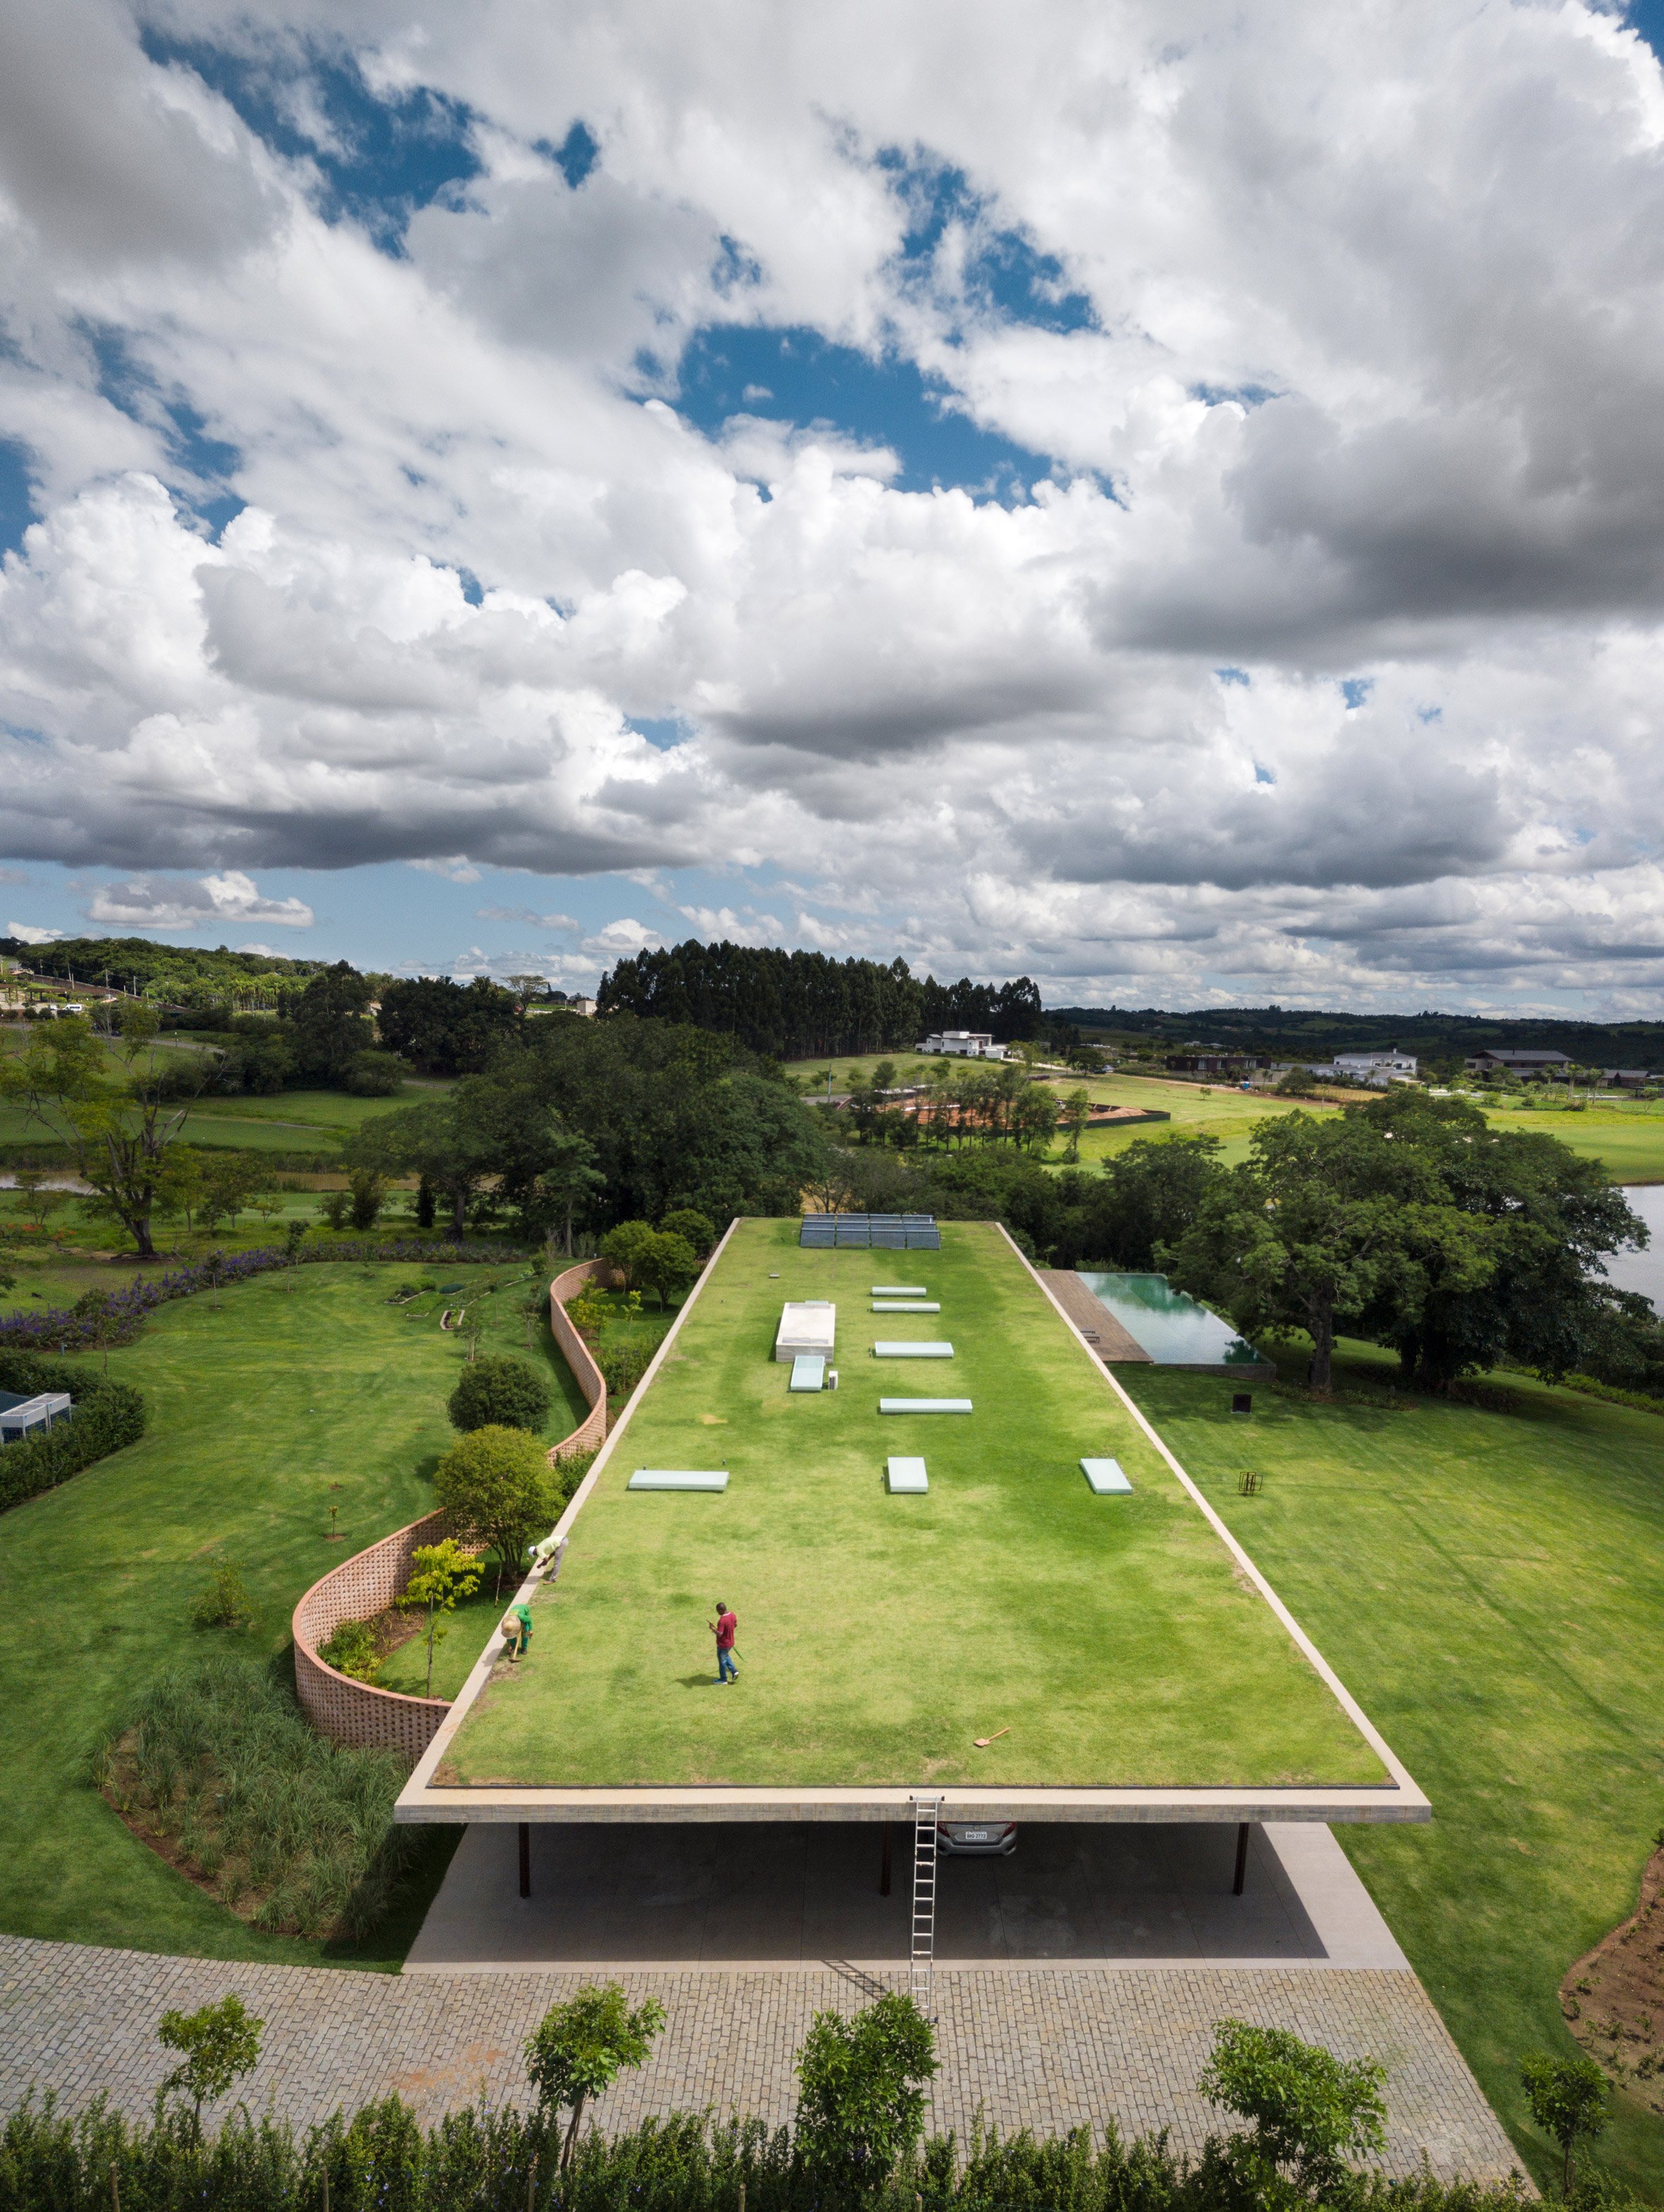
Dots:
{"x": 1049, "y": 2049}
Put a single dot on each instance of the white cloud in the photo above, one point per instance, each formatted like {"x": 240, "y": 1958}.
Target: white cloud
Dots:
{"x": 1371, "y": 387}
{"x": 173, "y": 902}
{"x": 26, "y": 933}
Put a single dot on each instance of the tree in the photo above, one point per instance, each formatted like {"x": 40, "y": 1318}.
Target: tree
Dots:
{"x": 1033, "y": 1117}
{"x": 861, "y": 2104}
{"x": 367, "y": 1195}
{"x": 1077, "y": 1105}
{"x": 1307, "y": 2108}
{"x": 1546, "y": 1218}
{"x": 495, "y": 1485}
{"x": 220, "y": 2043}
{"x": 329, "y": 1023}
{"x": 443, "y": 1573}
{"x": 1151, "y": 1195}
{"x": 108, "y": 1107}
{"x": 227, "y": 1182}
{"x": 568, "y": 1180}
{"x": 683, "y": 1221}
{"x": 668, "y": 1264}
{"x": 1567, "y": 2099}
{"x": 1323, "y": 1218}
{"x": 446, "y": 1028}
{"x": 500, "y": 1392}
{"x": 434, "y": 1141}
{"x": 628, "y": 1249}
{"x": 580, "y": 2048}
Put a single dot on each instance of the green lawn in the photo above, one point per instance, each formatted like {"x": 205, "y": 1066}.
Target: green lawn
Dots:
{"x": 880, "y": 1634}
{"x": 1491, "y": 1587}
{"x": 1630, "y": 1141}
{"x": 269, "y": 1403}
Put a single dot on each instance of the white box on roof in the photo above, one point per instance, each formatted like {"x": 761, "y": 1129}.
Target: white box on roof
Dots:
{"x": 806, "y": 1327}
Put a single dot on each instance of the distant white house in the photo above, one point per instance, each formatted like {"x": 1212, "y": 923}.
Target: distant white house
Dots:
{"x": 585, "y": 1006}
{"x": 967, "y": 1044}
{"x": 1380, "y": 1067}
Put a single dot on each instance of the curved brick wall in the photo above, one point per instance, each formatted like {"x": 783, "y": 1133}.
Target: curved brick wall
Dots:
{"x": 591, "y": 1382}
{"x": 357, "y": 1712}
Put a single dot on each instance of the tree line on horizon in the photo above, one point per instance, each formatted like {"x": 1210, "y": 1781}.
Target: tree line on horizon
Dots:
{"x": 788, "y": 1006}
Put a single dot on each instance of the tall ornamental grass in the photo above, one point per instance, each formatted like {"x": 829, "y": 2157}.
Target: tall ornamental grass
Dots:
{"x": 290, "y": 1830}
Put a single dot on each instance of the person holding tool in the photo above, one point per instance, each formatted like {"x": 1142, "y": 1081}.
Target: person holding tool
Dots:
{"x": 724, "y": 1628}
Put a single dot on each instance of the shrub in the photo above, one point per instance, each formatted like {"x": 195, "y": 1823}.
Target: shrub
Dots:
{"x": 622, "y": 1365}
{"x": 224, "y": 1601}
{"x": 353, "y": 1649}
{"x": 861, "y": 2110}
{"x": 1307, "y": 2108}
{"x": 500, "y": 1392}
{"x": 299, "y": 1828}
{"x": 376, "y": 1074}
{"x": 108, "y": 1415}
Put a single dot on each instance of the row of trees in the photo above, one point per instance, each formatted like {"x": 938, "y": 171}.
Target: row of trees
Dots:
{"x": 789, "y": 1005}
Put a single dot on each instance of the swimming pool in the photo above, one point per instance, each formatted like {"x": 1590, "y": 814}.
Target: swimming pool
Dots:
{"x": 1169, "y": 1324}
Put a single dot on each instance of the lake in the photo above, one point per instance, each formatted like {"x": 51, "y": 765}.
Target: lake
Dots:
{"x": 1642, "y": 1271}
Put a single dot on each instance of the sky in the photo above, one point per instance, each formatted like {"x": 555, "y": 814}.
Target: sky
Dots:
{"x": 1164, "y": 499}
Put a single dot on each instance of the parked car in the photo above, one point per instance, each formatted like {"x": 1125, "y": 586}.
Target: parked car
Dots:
{"x": 967, "y": 1840}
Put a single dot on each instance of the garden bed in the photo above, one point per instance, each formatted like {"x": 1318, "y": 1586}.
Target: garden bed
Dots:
{"x": 1613, "y": 1997}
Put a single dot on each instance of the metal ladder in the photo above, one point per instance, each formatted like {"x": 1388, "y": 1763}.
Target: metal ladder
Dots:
{"x": 927, "y": 1811}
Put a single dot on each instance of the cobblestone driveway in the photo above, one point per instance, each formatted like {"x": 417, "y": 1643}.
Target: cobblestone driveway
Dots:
{"x": 1049, "y": 2049}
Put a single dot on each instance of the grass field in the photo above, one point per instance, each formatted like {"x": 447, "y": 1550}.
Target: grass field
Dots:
{"x": 880, "y": 1634}
{"x": 287, "y": 1121}
{"x": 1491, "y": 1587}
{"x": 269, "y": 1403}
{"x": 1630, "y": 1142}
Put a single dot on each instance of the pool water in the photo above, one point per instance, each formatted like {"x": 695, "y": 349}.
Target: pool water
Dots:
{"x": 1169, "y": 1324}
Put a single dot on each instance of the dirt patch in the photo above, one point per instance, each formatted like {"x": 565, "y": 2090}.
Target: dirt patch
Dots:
{"x": 1613, "y": 1997}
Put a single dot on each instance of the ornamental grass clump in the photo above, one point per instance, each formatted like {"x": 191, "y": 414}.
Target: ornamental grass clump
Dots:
{"x": 214, "y": 1765}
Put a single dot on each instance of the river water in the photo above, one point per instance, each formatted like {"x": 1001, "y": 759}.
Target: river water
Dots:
{"x": 1643, "y": 1271}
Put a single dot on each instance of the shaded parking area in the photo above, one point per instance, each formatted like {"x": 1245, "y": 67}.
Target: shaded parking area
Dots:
{"x": 752, "y": 1895}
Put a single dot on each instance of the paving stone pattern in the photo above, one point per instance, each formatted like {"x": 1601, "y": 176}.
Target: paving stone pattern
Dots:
{"x": 1050, "y": 2049}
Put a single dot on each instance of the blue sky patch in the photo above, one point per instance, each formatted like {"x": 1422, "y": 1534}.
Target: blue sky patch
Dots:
{"x": 16, "y": 496}
{"x": 1008, "y": 278}
{"x": 1241, "y": 395}
{"x": 662, "y": 730}
{"x": 1232, "y": 675}
{"x": 1356, "y": 689}
{"x": 1647, "y": 16}
{"x": 382, "y": 156}
{"x": 797, "y": 376}
{"x": 202, "y": 464}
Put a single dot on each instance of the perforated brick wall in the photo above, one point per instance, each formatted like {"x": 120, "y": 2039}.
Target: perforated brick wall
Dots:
{"x": 592, "y": 1430}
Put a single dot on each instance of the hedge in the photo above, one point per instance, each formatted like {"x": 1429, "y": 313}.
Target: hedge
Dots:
{"x": 108, "y": 1415}
{"x": 496, "y": 2158}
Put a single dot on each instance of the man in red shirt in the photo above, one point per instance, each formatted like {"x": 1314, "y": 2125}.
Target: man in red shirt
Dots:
{"x": 723, "y": 1628}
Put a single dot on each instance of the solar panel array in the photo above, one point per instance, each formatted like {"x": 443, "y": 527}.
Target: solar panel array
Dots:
{"x": 896, "y": 1232}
